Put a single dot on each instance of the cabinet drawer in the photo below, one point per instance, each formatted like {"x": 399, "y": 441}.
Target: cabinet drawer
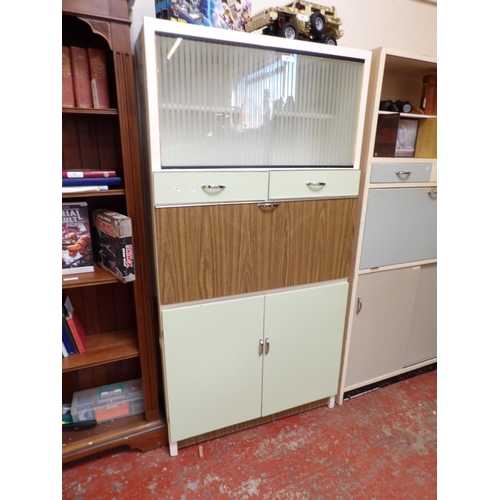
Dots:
{"x": 313, "y": 184}
{"x": 401, "y": 172}
{"x": 179, "y": 188}
{"x": 400, "y": 226}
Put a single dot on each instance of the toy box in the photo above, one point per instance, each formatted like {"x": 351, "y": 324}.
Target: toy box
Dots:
{"x": 108, "y": 402}
{"x": 229, "y": 14}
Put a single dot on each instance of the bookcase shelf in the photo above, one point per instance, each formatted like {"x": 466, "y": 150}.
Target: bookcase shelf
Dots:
{"x": 104, "y": 348}
{"x": 117, "y": 317}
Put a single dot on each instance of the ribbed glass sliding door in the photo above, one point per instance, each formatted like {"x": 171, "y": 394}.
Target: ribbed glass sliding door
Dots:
{"x": 227, "y": 105}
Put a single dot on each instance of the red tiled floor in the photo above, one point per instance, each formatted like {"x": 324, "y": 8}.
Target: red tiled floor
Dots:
{"x": 379, "y": 446}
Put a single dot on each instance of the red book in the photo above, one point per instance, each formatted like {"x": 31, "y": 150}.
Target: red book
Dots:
{"x": 68, "y": 92}
{"x": 99, "y": 78}
{"x": 78, "y": 332}
{"x": 84, "y": 174}
{"x": 81, "y": 77}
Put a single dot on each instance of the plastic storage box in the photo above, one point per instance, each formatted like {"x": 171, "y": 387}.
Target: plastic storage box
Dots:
{"x": 108, "y": 402}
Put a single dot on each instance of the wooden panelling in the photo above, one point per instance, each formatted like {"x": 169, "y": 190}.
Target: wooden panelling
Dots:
{"x": 221, "y": 250}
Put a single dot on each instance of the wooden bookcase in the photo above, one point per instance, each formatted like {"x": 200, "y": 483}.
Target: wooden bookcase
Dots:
{"x": 118, "y": 317}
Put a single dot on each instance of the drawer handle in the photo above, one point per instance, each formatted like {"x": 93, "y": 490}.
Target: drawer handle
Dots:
{"x": 213, "y": 186}
{"x": 401, "y": 172}
{"x": 360, "y": 306}
{"x": 267, "y": 345}
{"x": 268, "y": 205}
{"x": 315, "y": 184}
{"x": 261, "y": 346}
{"x": 432, "y": 193}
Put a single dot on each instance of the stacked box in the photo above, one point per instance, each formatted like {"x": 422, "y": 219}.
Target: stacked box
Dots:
{"x": 115, "y": 251}
{"x": 108, "y": 402}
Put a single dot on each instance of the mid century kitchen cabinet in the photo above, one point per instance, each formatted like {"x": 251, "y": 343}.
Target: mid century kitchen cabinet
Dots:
{"x": 252, "y": 153}
{"x": 392, "y": 323}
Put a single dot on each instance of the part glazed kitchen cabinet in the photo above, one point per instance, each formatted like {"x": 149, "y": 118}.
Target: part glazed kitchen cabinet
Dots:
{"x": 253, "y": 149}
{"x": 391, "y": 326}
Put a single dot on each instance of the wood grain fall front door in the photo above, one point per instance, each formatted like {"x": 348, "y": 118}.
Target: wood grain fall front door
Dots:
{"x": 221, "y": 250}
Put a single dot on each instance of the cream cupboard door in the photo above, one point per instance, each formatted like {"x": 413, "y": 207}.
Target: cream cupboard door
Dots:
{"x": 422, "y": 340}
{"x": 213, "y": 366}
{"x": 304, "y": 328}
{"x": 381, "y": 325}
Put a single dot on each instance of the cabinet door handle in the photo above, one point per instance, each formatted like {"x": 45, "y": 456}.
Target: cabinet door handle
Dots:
{"x": 261, "y": 346}
{"x": 401, "y": 172}
{"x": 432, "y": 193}
{"x": 360, "y": 306}
{"x": 268, "y": 205}
{"x": 315, "y": 184}
{"x": 267, "y": 345}
{"x": 213, "y": 186}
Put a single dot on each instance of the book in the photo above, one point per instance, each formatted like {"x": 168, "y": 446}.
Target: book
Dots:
{"x": 66, "y": 343}
{"x": 77, "y": 254}
{"x": 114, "y": 243}
{"x": 75, "y": 325}
{"x": 68, "y": 92}
{"x": 104, "y": 181}
{"x": 64, "y": 350}
{"x": 81, "y": 77}
{"x": 69, "y": 334}
{"x": 99, "y": 78}
{"x": 84, "y": 189}
{"x": 84, "y": 174}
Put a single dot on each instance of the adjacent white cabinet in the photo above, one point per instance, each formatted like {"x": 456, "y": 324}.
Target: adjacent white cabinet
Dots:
{"x": 242, "y": 358}
{"x": 392, "y": 320}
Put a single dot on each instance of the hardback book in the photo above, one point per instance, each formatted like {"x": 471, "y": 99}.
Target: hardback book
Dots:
{"x": 84, "y": 189}
{"x": 69, "y": 334}
{"x": 115, "y": 251}
{"x": 77, "y": 254}
{"x": 75, "y": 325}
{"x": 66, "y": 342}
{"x": 95, "y": 181}
{"x": 68, "y": 92}
{"x": 81, "y": 77}
{"x": 99, "y": 78}
{"x": 87, "y": 174}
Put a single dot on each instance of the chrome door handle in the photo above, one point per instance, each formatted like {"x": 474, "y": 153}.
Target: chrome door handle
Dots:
{"x": 261, "y": 346}
{"x": 268, "y": 205}
{"x": 267, "y": 345}
{"x": 400, "y": 172}
{"x": 315, "y": 184}
{"x": 432, "y": 193}
{"x": 360, "y": 306}
{"x": 213, "y": 186}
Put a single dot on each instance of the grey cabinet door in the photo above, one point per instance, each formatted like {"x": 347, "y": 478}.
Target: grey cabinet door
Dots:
{"x": 422, "y": 339}
{"x": 400, "y": 227}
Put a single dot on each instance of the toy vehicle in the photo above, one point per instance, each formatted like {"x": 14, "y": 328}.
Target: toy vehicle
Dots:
{"x": 303, "y": 20}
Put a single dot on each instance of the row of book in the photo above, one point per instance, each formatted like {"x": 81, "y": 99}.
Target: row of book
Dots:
{"x": 84, "y": 78}
{"x": 111, "y": 233}
{"x": 89, "y": 180}
{"x": 74, "y": 338}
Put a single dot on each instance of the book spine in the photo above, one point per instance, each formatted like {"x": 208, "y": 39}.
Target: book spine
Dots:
{"x": 81, "y": 77}
{"x": 99, "y": 78}
{"x": 110, "y": 181}
{"x": 87, "y": 174}
{"x": 69, "y": 334}
{"x": 66, "y": 342}
{"x": 78, "y": 332}
{"x": 68, "y": 92}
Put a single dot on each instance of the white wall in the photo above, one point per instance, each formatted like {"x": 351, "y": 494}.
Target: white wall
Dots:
{"x": 409, "y": 25}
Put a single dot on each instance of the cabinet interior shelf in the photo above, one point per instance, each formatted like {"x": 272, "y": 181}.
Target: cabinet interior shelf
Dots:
{"x": 407, "y": 115}
{"x": 104, "y": 348}
{"x": 97, "y": 277}
{"x": 89, "y": 111}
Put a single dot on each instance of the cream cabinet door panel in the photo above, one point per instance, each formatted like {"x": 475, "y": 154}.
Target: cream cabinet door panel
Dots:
{"x": 381, "y": 326}
{"x": 422, "y": 340}
{"x": 305, "y": 329}
{"x": 213, "y": 367}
